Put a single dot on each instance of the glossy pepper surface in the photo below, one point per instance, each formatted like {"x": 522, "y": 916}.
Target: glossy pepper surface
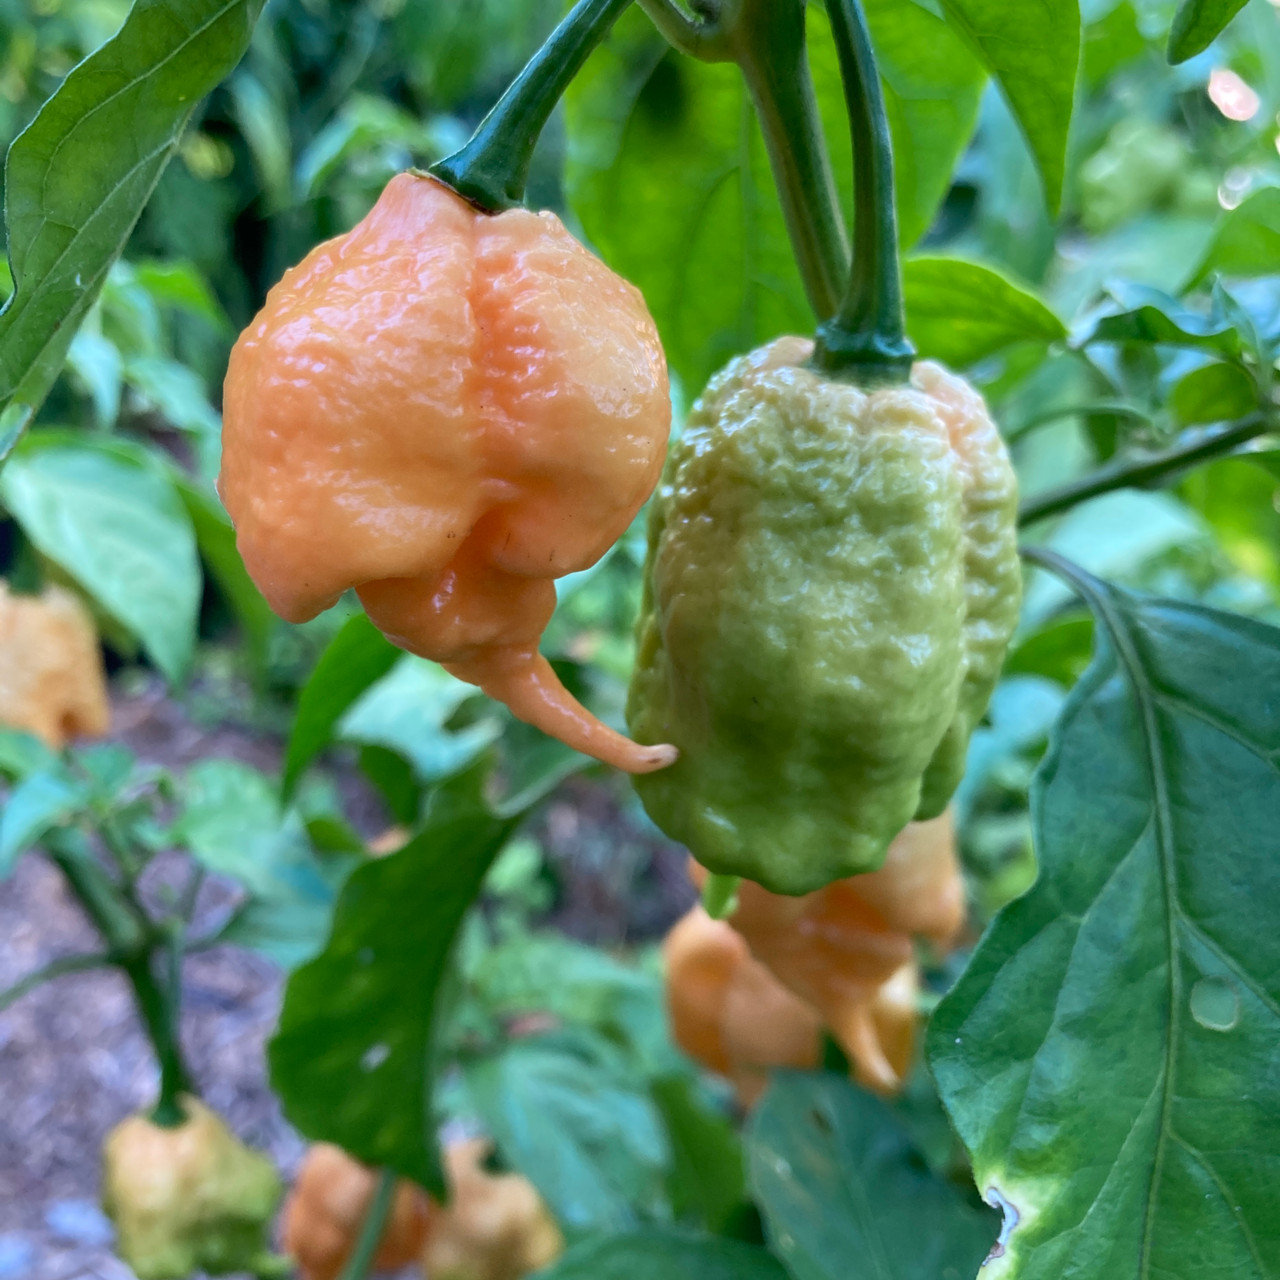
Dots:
{"x": 447, "y": 410}
{"x": 188, "y": 1199}
{"x": 831, "y": 584}
{"x": 326, "y": 1210}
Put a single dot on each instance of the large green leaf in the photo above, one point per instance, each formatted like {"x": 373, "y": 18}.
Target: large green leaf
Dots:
{"x": 1246, "y": 241}
{"x": 110, "y": 516}
{"x": 961, "y": 312}
{"x": 353, "y": 1059}
{"x": 357, "y": 657}
{"x": 663, "y": 1255}
{"x": 1197, "y": 24}
{"x": 837, "y": 1178}
{"x": 1109, "y": 1055}
{"x": 668, "y": 173}
{"x": 568, "y": 1113}
{"x": 1034, "y": 53}
{"x": 77, "y": 178}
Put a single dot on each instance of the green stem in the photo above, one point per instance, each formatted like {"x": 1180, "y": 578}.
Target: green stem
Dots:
{"x": 767, "y": 40}
{"x": 720, "y": 895}
{"x": 866, "y": 340}
{"x": 54, "y": 969}
{"x": 703, "y": 39}
{"x": 375, "y": 1223}
{"x": 1137, "y": 473}
{"x": 492, "y": 169}
{"x": 159, "y": 1004}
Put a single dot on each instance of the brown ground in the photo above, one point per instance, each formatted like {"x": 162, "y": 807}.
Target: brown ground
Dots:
{"x": 73, "y": 1060}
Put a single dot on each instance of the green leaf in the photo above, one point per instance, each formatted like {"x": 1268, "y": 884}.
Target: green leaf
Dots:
{"x": 216, "y": 541}
{"x": 707, "y": 1181}
{"x": 668, "y": 174}
{"x": 1108, "y": 1057}
{"x": 357, "y": 657}
{"x": 664, "y": 1255}
{"x": 837, "y": 1178}
{"x": 566, "y": 1113}
{"x": 77, "y": 178}
{"x": 1197, "y": 24}
{"x": 1246, "y": 241}
{"x": 1215, "y": 392}
{"x": 22, "y": 753}
{"x": 13, "y": 425}
{"x": 961, "y": 312}
{"x": 40, "y": 801}
{"x": 406, "y": 711}
{"x": 352, "y": 1061}
{"x": 1035, "y": 56}
{"x": 1240, "y": 498}
{"x": 1137, "y": 313}
{"x": 111, "y": 518}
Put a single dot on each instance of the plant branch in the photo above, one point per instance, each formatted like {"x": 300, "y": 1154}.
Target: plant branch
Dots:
{"x": 491, "y": 170}
{"x": 1139, "y": 472}
{"x": 375, "y": 1223}
{"x": 702, "y": 39}
{"x": 54, "y": 969}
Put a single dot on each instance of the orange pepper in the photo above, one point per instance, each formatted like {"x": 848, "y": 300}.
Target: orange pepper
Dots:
{"x": 327, "y": 1207}
{"x": 447, "y": 410}
{"x": 51, "y": 678}
{"x": 848, "y": 951}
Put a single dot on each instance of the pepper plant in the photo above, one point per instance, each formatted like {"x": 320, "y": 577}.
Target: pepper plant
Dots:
{"x": 890, "y": 182}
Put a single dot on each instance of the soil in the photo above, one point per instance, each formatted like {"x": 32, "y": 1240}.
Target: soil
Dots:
{"x": 74, "y": 1061}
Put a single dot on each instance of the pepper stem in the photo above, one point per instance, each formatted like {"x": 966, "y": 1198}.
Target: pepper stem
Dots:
{"x": 720, "y": 895}
{"x": 865, "y": 342}
{"x": 491, "y": 170}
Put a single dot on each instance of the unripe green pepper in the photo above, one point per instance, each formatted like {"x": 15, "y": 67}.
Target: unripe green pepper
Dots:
{"x": 831, "y": 584}
{"x": 189, "y": 1198}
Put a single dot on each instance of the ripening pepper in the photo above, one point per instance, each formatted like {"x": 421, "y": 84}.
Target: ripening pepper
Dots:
{"x": 495, "y": 1226}
{"x": 847, "y": 949}
{"x": 832, "y": 581}
{"x": 51, "y": 678}
{"x": 326, "y": 1210}
{"x": 187, "y": 1199}
{"x": 447, "y": 410}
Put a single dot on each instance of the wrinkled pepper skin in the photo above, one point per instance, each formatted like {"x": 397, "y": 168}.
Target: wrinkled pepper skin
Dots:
{"x": 495, "y": 1226}
{"x": 447, "y": 410}
{"x": 848, "y": 949}
{"x": 326, "y": 1210}
{"x": 831, "y": 585}
{"x": 189, "y": 1199}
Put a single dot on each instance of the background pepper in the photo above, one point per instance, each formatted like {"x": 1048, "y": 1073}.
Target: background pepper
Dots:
{"x": 831, "y": 583}
{"x": 447, "y": 410}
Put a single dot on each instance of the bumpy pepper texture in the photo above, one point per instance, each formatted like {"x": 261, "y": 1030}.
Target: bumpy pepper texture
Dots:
{"x": 51, "y": 678}
{"x": 188, "y": 1199}
{"x": 447, "y": 410}
{"x": 831, "y": 585}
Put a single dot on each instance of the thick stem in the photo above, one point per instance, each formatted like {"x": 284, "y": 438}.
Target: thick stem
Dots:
{"x": 1136, "y": 473}
{"x": 767, "y": 41}
{"x": 375, "y": 1223}
{"x": 492, "y": 169}
{"x": 866, "y": 340}
{"x": 159, "y": 1004}
{"x": 699, "y": 38}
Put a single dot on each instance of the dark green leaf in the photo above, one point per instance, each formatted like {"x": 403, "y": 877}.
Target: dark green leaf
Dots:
{"x": 566, "y": 1112}
{"x": 837, "y": 1178}
{"x": 663, "y": 1255}
{"x": 1246, "y": 241}
{"x": 216, "y": 540}
{"x": 1137, "y": 313}
{"x": 961, "y": 312}
{"x": 111, "y": 518}
{"x": 707, "y": 1182}
{"x": 668, "y": 173}
{"x": 353, "y": 1058}
{"x": 40, "y": 801}
{"x": 1034, "y": 56}
{"x": 358, "y": 656}
{"x": 77, "y": 178}
{"x": 1197, "y": 24}
{"x": 1109, "y": 1055}
{"x": 1213, "y": 393}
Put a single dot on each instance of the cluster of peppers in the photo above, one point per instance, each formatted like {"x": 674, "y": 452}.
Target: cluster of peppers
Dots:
{"x": 456, "y": 403}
